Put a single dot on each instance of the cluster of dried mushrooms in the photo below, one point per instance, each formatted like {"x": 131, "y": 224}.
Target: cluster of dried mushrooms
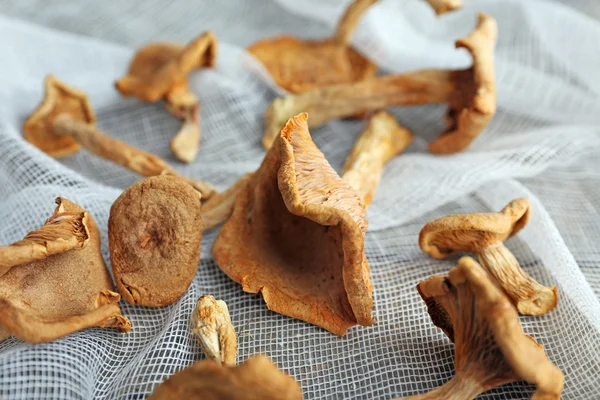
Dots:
{"x": 293, "y": 230}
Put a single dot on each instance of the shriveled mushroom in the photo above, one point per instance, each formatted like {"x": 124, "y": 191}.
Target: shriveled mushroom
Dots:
{"x": 297, "y": 236}
{"x": 444, "y": 6}
{"x": 255, "y": 379}
{"x": 219, "y": 207}
{"x": 470, "y": 95}
{"x": 211, "y": 324}
{"x": 490, "y": 347}
{"x": 154, "y": 236}
{"x": 484, "y": 234}
{"x": 381, "y": 140}
{"x": 159, "y": 72}
{"x": 65, "y": 119}
{"x": 42, "y": 294}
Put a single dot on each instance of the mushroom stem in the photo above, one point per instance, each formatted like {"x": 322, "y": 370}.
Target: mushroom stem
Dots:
{"x": 528, "y": 295}
{"x": 381, "y": 140}
{"x": 121, "y": 153}
{"x": 455, "y": 388}
{"x": 220, "y": 206}
{"x": 186, "y": 142}
{"x": 349, "y": 21}
{"x": 443, "y": 6}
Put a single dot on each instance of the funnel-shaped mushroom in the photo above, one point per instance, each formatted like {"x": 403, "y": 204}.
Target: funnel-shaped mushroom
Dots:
{"x": 159, "y": 71}
{"x": 484, "y": 234}
{"x": 490, "y": 347}
{"x": 211, "y": 324}
{"x": 65, "y": 119}
{"x": 54, "y": 281}
{"x": 470, "y": 95}
{"x": 297, "y": 236}
{"x": 255, "y": 379}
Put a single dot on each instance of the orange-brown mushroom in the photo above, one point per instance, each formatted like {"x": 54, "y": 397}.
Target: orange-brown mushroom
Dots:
{"x": 490, "y": 346}
{"x": 255, "y": 379}
{"x": 484, "y": 234}
{"x": 54, "y": 282}
{"x": 219, "y": 207}
{"x": 159, "y": 72}
{"x": 297, "y": 236}
{"x": 470, "y": 95}
{"x": 65, "y": 119}
{"x": 443, "y": 6}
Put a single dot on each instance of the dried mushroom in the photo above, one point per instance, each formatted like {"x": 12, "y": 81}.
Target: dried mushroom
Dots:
{"x": 490, "y": 347}
{"x": 219, "y": 207}
{"x": 54, "y": 282}
{"x": 211, "y": 324}
{"x": 159, "y": 72}
{"x": 381, "y": 140}
{"x": 297, "y": 236}
{"x": 444, "y": 6}
{"x": 470, "y": 95}
{"x": 65, "y": 119}
{"x": 484, "y": 234}
{"x": 255, "y": 379}
{"x": 154, "y": 236}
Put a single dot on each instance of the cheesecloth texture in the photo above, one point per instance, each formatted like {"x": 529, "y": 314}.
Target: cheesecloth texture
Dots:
{"x": 543, "y": 144}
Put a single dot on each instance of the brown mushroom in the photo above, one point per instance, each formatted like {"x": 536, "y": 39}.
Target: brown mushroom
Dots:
{"x": 381, "y": 140}
{"x": 219, "y": 207}
{"x": 154, "y": 237}
{"x": 483, "y": 234}
{"x": 490, "y": 347}
{"x": 65, "y": 119}
{"x": 470, "y": 95}
{"x": 443, "y": 6}
{"x": 54, "y": 282}
{"x": 297, "y": 236}
{"x": 256, "y": 379}
{"x": 159, "y": 71}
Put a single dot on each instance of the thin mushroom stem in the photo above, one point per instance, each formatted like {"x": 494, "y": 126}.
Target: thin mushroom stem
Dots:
{"x": 121, "y": 153}
{"x": 186, "y": 142}
{"x": 349, "y": 21}
{"x": 455, "y": 388}
{"x": 219, "y": 207}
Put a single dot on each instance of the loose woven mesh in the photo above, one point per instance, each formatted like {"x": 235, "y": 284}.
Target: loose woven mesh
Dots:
{"x": 544, "y": 144}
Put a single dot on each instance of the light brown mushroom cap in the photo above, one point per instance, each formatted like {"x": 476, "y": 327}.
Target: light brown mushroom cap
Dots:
{"x": 67, "y": 290}
{"x": 58, "y": 99}
{"x": 443, "y": 6}
{"x": 297, "y": 236}
{"x": 255, "y": 379}
{"x": 473, "y": 232}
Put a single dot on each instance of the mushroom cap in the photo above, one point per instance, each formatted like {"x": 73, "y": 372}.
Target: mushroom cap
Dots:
{"x": 154, "y": 237}
{"x": 47, "y": 298}
{"x": 297, "y": 236}
{"x": 59, "y": 98}
{"x": 255, "y": 379}
{"x": 473, "y": 232}
{"x": 474, "y": 104}
{"x": 299, "y": 66}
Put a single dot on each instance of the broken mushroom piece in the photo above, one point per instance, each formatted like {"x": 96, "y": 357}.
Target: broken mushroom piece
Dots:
{"x": 211, "y": 324}
{"x": 490, "y": 347}
{"x": 42, "y": 294}
{"x": 65, "y": 119}
{"x": 470, "y": 95}
{"x": 382, "y": 140}
{"x": 219, "y": 207}
{"x": 159, "y": 71}
{"x": 484, "y": 234}
{"x": 255, "y": 379}
{"x": 154, "y": 237}
{"x": 443, "y": 6}
{"x": 296, "y": 235}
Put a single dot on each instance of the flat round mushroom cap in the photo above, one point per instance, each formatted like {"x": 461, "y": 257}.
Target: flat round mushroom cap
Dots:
{"x": 59, "y": 98}
{"x": 473, "y": 232}
{"x": 154, "y": 236}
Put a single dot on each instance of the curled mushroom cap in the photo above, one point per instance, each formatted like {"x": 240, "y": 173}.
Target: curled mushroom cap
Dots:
{"x": 490, "y": 347}
{"x": 297, "y": 236}
{"x": 42, "y": 294}
{"x": 255, "y": 379}
{"x": 483, "y": 234}
{"x": 211, "y": 324}
{"x": 154, "y": 236}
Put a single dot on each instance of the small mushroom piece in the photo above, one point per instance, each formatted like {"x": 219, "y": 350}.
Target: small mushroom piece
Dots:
{"x": 443, "y": 6}
{"x": 484, "y": 234}
{"x": 42, "y": 294}
{"x": 381, "y": 141}
{"x": 255, "y": 379}
{"x": 490, "y": 347}
{"x": 296, "y": 235}
{"x": 65, "y": 119}
{"x": 219, "y": 207}
{"x": 154, "y": 237}
{"x": 159, "y": 71}
{"x": 211, "y": 324}
{"x": 470, "y": 95}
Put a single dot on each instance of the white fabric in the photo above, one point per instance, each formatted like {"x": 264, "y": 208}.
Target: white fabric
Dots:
{"x": 544, "y": 143}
